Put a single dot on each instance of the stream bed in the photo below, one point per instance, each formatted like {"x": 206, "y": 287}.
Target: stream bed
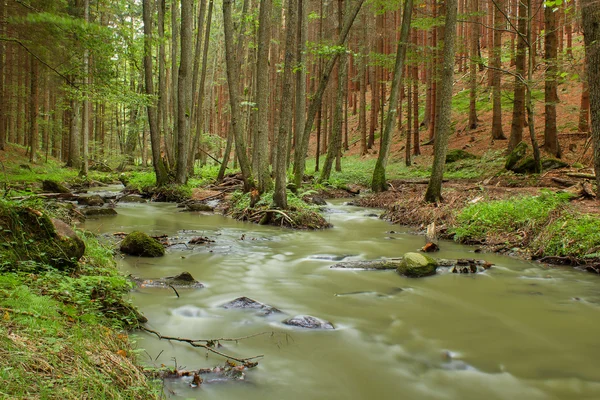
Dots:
{"x": 518, "y": 331}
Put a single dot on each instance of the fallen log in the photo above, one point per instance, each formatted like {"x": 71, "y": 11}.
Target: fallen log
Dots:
{"x": 453, "y": 265}
{"x": 580, "y": 175}
{"x": 564, "y": 182}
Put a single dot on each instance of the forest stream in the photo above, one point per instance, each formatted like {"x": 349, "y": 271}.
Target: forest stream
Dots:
{"x": 517, "y": 331}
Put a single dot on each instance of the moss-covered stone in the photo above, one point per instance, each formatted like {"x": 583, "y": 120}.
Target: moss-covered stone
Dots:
{"x": 527, "y": 165}
{"x": 50, "y": 186}
{"x": 553, "y": 163}
{"x": 519, "y": 152}
{"x": 458, "y": 154}
{"x": 98, "y": 211}
{"x": 139, "y": 244}
{"x": 132, "y": 198}
{"x": 416, "y": 265}
{"x": 31, "y": 235}
{"x": 91, "y": 200}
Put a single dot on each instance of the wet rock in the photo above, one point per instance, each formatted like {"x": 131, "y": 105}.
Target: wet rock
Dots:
{"x": 98, "y": 211}
{"x": 200, "y": 240}
{"x": 50, "y": 186}
{"x": 246, "y": 303}
{"x": 382, "y": 264}
{"x": 316, "y": 200}
{"x": 553, "y": 163}
{"x": 308, "y": 322}
{"x": 185, "y": 280}
{"x": 132, "y": 198}
{"x": 415, "y": 265}
{"x": 93, "y": 200}
{"x": 372, "y": 215}
{"x": 353, "y": 189}
{"x": 457, "y": 155}
{"x": 139, "y": 244}
{"x": 518, "y": 153}
{"x": 194, "y": 207}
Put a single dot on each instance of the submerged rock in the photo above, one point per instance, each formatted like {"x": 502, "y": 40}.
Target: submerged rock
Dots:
{"x": 416, "y": 265}
{"x": 132, "y": 198}
{"x": 185, "y": 280}
{"x": 308, "y": 322}
{"x": 246, "y": 303}
{"x": 139, "y": 244}
{"x": 93, "y": 200}
{"x": 98, "y": 211}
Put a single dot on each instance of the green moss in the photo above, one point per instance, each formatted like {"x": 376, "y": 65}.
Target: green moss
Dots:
{"x": 139, "y": 244}
{"x": 518, "y": 153}
{"x": 458, "y": 154}
{"x": 416, "y": 265}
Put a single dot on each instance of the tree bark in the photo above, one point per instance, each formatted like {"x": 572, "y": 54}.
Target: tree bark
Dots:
{"x": 499, "y": 23}
{"x": 473, "y": 55}
{"x": 233, "y": 74}
{"x": 379, "y": 183}
{"x": 551, "y": 144}
{"x": 591, "y": 31}
{"x": 33, "y": 111}
{"x": 184, "y": 91}
{"x": 518, "y": 115}
{"x": 285, "y": 121}
{"x": 444, "y": 122}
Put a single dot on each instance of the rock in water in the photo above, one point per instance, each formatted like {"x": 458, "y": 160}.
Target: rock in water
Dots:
{"x": 185, "y": 280}
{"x": 98, "y": 211}
{"x": 246, "y": 303}
{"x": 308, "y": 322}
{"x": 139, "y": 244}
{"x": 415, "y": 265}
{"x": 91, "y": 200}
{"x": 132, "y": 198}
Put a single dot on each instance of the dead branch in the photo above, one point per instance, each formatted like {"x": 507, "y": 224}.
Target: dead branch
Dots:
{"x": 210, "y": 344}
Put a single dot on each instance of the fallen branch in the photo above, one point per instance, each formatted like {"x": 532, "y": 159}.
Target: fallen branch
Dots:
{"x": 210, "y": 344}
{"x": 581, "y": 175}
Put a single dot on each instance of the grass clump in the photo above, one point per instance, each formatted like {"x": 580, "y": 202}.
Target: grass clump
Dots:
{"x": 515, "y": 219}
{"x": 298, "y": 215}
{"x": 571, "y": 235}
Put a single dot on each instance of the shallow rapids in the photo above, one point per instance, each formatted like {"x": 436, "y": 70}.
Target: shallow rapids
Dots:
{"x": 517, "y": 331}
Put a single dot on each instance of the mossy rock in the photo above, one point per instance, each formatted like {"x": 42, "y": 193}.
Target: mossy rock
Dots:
{"x": 458, "y": 154}
{"x": 518, "y": 153}
{"x": 527, "y": 166}
{"x": 199, "y": 207}
{"x": 416, "y": 265}
{"x": 553, "y": 163}
{"x": 50, "y": 186}
{"x": 91, "y": 200}
{"x": 98, "y": 211}
{"x": 139, "y": 244}
{"x": 132, "y": 198}
{"x": 30, "y": 235}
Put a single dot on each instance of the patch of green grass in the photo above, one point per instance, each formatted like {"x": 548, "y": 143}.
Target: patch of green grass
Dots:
{"x": 572, "y": 235}
{"x": 478, "y": 221}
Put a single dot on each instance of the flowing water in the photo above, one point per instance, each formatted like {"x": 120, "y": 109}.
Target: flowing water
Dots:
{"x": 517, "y": 331}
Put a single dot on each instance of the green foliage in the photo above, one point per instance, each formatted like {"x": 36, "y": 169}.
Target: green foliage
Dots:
{"x": 476, "y": 222}
{"x": 571, "y": 235}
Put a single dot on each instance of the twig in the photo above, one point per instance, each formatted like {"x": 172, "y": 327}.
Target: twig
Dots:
{"x": 175, "y": 290}
{"x": 210, "y": 343}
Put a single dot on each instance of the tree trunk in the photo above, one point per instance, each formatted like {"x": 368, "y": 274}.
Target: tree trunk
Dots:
{"x": 528, "y": 100}
{"x": 474, "y": 54}
{"x": 300, "y": 112}
{"x": 184, "y": 88}
{"x": 379, "y": 184}
{"x": 33, "y": 111}
{"x": 285, "y": 121}
{"x": 159, "y": 168}
{"x": 85, "y": 115}
{"x": 591, "y": 32}
{"x": 233, "y": 74}
{"x": 518, "y": 116}
{"x": 551, "y": 144}
{"x": 261, "y": 140}
{"x": 499, "y": 23}
{"x": 444, "y": 121}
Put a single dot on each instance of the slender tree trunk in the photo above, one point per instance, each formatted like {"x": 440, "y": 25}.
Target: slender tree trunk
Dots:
{"x": 591, "y": 32}
{"x": 285, "y": 121}
{"x": 379, "y": 183}
{"x": 74, "y": 160}
{"x": 444, "y": 122}
{"x": 300, "y": 111}
{"x": 261, "y": 140}
{"x": 528, "y": 98}
{"x": 85, "y": 115}
{"x": 233, "y": 74}
{"x": 551, "y": 144}
{"x": 175, "y": 35}
{"x": 184, "y": 94}
{"x": 518, "y": 116}
{"x": 3, "y": 80}
{"x": 584, "y": 108}
{"x": 227, "y": 154}
{"x": 499, "y": 23}
{"x": 473, "y": 55}
{"x": 33, "y": 111}
{"x": 157, "y": 163}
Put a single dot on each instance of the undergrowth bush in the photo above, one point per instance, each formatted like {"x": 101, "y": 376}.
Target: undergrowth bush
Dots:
{"x": 571, "y": 235}
{"x": 478, "y": 221}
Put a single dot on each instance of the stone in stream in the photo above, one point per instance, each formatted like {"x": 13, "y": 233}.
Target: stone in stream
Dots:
{"x": 50, "y": 186}
{"x": 195, "y": 207}
{"x": 308, "y": 322}
{"x": 132, "y": 198}
{"x": 185, "y": 280}
{"x": 139, "y": 244}
{"x": 93, "y": 200}
{"x": 98, "y": 211}
{"x": 415, "y": 265}
{"x": 246, "y": 303}
{"x": 372, "y": 265}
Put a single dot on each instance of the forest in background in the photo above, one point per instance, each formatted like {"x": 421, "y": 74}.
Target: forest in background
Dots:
{"x": 172, "y": 83}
